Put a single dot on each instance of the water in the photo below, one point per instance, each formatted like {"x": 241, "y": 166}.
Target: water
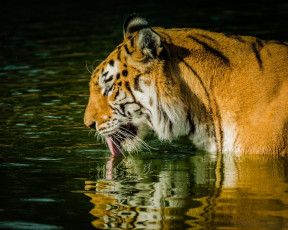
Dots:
{"x": 54, "y": 175}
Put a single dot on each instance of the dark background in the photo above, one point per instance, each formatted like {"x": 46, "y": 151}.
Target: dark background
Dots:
{"x": 263, "y": 18}
{"x": 44, "y": 49}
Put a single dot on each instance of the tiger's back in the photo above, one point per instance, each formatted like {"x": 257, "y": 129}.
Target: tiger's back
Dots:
{"x": 227, "y": 93}
{"x": 244, "y": 83}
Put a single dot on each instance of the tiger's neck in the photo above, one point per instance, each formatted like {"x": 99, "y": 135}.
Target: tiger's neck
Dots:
{"x": 203, "y": 111}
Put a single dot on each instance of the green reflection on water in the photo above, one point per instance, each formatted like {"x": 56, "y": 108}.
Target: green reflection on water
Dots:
{"x": 195, "y": 192}
{"x": 46, "y": 152}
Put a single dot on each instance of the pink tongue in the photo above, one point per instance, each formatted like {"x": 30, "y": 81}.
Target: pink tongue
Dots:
{"x": 115, "y": 149}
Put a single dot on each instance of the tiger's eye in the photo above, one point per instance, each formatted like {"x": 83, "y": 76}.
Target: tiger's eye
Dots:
{"x": 125, "y": 73}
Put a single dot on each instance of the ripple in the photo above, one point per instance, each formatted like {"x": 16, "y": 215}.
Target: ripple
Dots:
{"x": 14, "y": 165}
{"x": 47, "y": 103}
{"x": 44, "y": 200}
{"x": 44, "y": 54}
{"x": 14, "y": 67}
{"x": 33, "y": 90}
{"x": 27, "y": 225}
{"x": 20, "y": 124}
{"x": 53, "y": 117}
{"x": 44, "y": 159}
{"x": 16, "y": 94}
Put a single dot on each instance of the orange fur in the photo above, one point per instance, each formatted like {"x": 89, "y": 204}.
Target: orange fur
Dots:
{"x": 231, "y": 85}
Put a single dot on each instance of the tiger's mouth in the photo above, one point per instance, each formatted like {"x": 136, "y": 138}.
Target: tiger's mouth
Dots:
{"x": 124, "y": 133}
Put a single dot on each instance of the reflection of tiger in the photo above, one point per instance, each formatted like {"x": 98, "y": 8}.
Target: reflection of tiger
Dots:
{"x": 153, "y": 195}
{"x": 227, "y": 93}
{"x": 194, "y": 192}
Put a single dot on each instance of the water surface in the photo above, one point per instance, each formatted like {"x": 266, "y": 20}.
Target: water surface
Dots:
{"x": 55, "y": 175}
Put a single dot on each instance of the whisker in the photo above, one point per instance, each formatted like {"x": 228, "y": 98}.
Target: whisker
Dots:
{"x": 139, "y": 143}
{"x": 136, "y": 138}
{"x": 99, "y": 138}
{"x": 90, "y": 132}
{"x": 122, "y": 134}
{"x": 95, "y": 62}
{"x": 141, "y": 140}
{"x": 135, "y": 143}
{"x": 88, "y": 68}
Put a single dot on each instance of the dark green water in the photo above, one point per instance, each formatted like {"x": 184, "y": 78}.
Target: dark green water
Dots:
{"x": 54, "y": 175}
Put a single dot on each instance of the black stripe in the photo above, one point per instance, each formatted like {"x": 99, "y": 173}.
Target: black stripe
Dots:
{"x": 105, "y": 74}
{"x": 132, "y": 41}
{"x": 211, "y": 50}
{"x": 219, "y": 148}
{"x": 191, "y": 123}
{"x": 137, "y": 28}
{"x": 284, "y": 44}
{"x": 111, "y": 62}
{"x": 207, "y": 37}
{"x": 123, "y": 114}
{"x": 136, "y": 84}
{"x": 281, "y": 43}
{"x": 167, "y": 35}
{"x": 122, "y": 107}
{"x": 170, "y": 126}
{"x": 164, "y": 114}
{"x": 259, "y": 43}
{"x": 116, "y": 94}
{"x": 108, "y": 90}
{"x": 109, "y": 79}
{"x": 119, "y": 55}
{"x": 125, "y": 73}
{"x": 257, "y": 54}
{"x": 236, "y": 37}
{"x": 127, "y": 50}
{"x": 127, "y": 84}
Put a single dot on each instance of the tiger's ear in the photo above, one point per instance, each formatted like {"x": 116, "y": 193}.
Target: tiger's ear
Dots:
{"x": 147, "y": 40}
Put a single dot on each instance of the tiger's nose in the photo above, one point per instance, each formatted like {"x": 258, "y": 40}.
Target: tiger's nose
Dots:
{"x": 91, "y": 125}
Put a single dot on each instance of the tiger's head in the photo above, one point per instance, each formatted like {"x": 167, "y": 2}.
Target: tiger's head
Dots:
{"x": 136, "y": 90}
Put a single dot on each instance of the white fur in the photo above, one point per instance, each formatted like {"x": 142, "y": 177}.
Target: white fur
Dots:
{"x": 137, "y": 21}
{"x": 203, "y": 138}
{"x": 112, "y": 70}
{"x": 229, "y": 138}
{"x": 175, "y": 115}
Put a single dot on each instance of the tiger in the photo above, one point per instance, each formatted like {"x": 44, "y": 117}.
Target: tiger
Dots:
{"x": 226, "y": 93}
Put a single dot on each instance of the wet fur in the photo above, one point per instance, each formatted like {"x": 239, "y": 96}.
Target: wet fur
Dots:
{"x": 227, "y": 93}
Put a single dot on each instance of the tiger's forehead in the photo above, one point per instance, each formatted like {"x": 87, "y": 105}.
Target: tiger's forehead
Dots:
{"x": 115, "y": 61}
{"x": 109, "y": 72}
